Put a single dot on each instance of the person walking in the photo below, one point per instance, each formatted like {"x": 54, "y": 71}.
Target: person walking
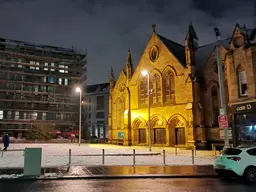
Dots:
{"x": 6, "y": 141}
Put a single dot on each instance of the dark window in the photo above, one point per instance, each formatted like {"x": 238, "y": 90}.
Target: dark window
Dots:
{"x": 252, "y": 152}
{"x": 245, "y": 128}
{"x": 100, "y": 115}
{"x": 50, "y": 116}
{"x": 100, "y": 102}
{"x": 100, "y": 123}
{"x": 232, "y": 151}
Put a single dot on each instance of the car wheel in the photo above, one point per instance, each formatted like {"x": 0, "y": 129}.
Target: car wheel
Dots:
{"x": 250, "y": 174}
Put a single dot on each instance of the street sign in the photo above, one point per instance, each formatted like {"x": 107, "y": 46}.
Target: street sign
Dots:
{"x": 223, "y": 121}
{"x": 222, "y": 134}
{"x": 221, "y": 111}
{"x": 120, "y": 135}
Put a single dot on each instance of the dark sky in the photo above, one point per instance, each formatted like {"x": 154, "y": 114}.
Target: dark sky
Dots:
{"x": 107, "y": 29}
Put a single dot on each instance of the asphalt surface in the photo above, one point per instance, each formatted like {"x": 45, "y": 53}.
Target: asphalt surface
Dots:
{"x": 128, "y": 185}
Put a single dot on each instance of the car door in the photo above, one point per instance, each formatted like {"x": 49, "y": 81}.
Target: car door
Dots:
{"x": 251, "y": 158}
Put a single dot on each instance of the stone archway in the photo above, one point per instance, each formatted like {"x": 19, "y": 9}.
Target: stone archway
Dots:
{"x": 177, "y": 125}
{"x": 139, "y": 131}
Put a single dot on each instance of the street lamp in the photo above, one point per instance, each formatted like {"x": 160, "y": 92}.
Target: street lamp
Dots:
{"x": 221, "y": 82}
{"x": 145, "y": 73}
{"x": 80, "y": 114}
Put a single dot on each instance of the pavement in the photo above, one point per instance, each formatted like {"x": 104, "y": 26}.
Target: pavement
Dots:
{"x": 138, "y": 185}
{"x": 115, "y": 172}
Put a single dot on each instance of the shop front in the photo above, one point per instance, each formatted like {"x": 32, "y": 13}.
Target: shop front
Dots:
{"x": 244, "y": 123}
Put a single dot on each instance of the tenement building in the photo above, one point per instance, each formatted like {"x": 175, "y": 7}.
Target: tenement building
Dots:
{"x": 184, "y": 99}
{"x": 37, "y": 87}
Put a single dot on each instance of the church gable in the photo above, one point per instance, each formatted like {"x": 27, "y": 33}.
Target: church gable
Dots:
{"x": 120, "y": 85}
{"x": 238, "y": 38}
{"x": 242, "y": 37}
{"x": 158, "y": 54}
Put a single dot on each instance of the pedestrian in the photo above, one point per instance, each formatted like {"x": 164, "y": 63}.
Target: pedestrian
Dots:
{"x": 6, "y": 141}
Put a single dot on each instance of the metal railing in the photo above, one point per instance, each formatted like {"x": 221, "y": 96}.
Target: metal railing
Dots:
{"x": 134, "y": 154}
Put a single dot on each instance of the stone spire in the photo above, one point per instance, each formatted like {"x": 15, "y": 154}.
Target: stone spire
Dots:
{"x": 111, "y": 79}
{"x": 191, "y": 43}
{"x": 154, "y": 28}
{"x": 129, "y": 65}
{"x": 191, "y": 34}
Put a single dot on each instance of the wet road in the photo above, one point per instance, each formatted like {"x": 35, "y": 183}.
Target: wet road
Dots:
{"x": 127, "y": 185}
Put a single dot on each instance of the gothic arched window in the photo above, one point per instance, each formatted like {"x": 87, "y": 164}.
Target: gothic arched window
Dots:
{"x": 242, "y": 81}
{"x": 155, "y": 86}
{"x": 143, "y": 91}
{"x": 119, "y": 113}
{"x": 169, "y": 86}
{"x": 215, "y": 105}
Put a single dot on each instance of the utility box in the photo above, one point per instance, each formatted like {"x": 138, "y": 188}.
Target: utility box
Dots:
{"x": 32, "y": 161}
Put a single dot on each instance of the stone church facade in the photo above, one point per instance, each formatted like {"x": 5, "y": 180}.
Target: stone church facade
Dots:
{"x": 184, "y": 91}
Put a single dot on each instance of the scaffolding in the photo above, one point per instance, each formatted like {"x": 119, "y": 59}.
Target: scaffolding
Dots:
{"x": 37, "y": 83}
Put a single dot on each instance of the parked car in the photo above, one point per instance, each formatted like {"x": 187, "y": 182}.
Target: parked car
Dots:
{"x": 239, "y": 161}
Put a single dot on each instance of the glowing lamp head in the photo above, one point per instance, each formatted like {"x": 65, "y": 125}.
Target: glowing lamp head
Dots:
{"x": 144, "y": 72}
{"x": 78, "y": 89}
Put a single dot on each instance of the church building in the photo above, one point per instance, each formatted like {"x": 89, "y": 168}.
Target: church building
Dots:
{"x": 183, "y": 83}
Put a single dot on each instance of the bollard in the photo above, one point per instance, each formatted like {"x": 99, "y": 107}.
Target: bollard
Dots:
{"x": 69, "y": 157}
{"x": 103, "y": 156}
{"x": 164, "y": 157}
{"x": 133, "y": 157}
{"x": 193, "y": 160}
{"x": 176, "y": 151}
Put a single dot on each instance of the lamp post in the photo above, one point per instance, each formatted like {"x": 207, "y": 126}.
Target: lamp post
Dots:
{"x": 145, "y": 73}
{"x": 80, "y": 114}
{"x": 221, "y": 83}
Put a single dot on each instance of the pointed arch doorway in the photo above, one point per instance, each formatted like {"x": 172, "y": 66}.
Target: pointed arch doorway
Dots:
{"x": 177, "y": 130}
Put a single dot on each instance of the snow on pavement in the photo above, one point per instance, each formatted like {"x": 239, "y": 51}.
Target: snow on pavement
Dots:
{"x": 57, "y": 155}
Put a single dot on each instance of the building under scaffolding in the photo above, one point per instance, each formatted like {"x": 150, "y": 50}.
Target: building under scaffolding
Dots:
{"x": 37, "y": 86}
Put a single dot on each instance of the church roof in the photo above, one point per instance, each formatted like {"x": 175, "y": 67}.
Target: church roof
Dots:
{"x": 176, "y": 49}
{"x": 204, "y": 52}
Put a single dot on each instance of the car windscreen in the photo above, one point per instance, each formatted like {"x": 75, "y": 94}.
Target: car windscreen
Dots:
{"x": 231, "y": 151}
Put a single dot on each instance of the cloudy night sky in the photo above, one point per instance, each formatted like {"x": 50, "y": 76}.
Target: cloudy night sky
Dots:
{"x": 107, "y": 28}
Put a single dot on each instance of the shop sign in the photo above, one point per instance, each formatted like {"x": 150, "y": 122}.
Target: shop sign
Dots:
{"x": 222, "y": 133}
{"x": 241, "y": 108}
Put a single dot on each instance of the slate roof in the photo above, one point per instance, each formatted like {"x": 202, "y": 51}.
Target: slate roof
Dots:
{"x": 97, "y": 88}
{"x": 203, "y": 53}
{"x": 175, "y": 48}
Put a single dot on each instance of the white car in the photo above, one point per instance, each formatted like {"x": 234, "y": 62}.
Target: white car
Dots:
{"x": 240, "y": 161}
